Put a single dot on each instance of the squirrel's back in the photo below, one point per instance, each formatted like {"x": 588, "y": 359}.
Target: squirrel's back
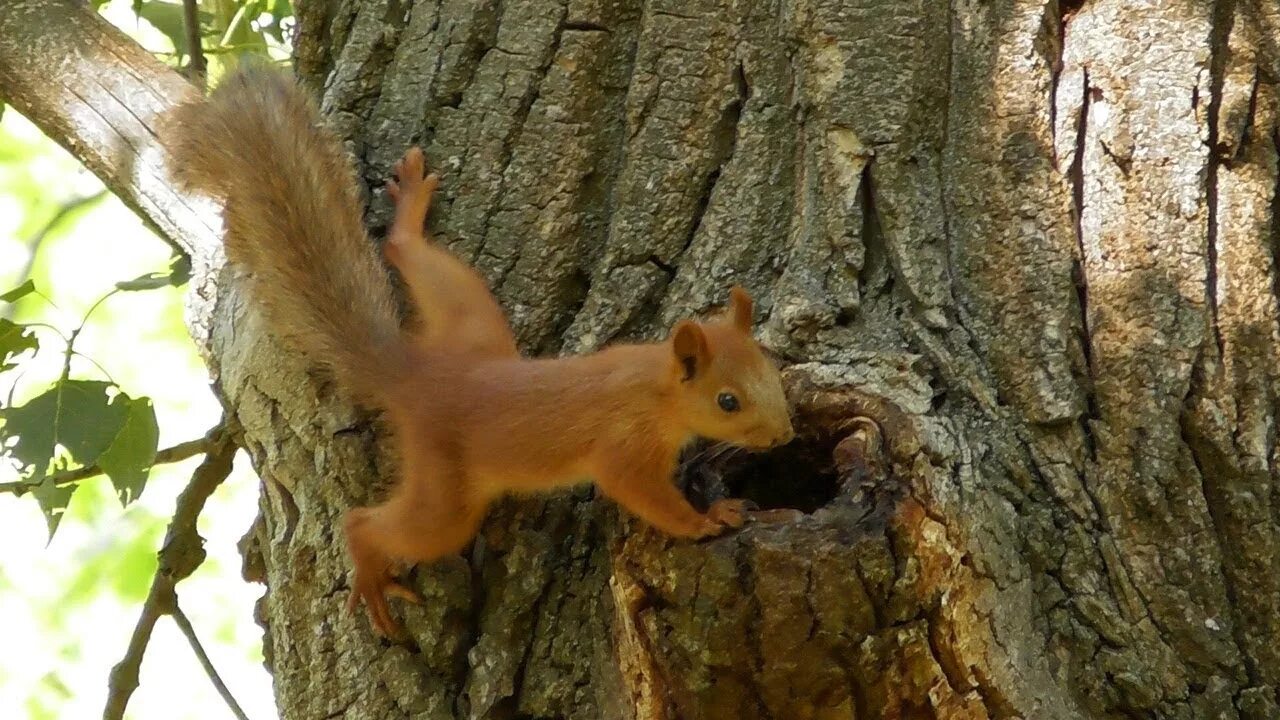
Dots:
{"x": 292, "y": 217}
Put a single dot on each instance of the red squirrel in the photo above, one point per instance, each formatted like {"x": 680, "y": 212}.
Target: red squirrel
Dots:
{"x": 471, "y": 419}
{"x": 456, "y": 311}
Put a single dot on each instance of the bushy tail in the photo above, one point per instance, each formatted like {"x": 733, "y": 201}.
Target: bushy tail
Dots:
{"x": 293, "y": 221}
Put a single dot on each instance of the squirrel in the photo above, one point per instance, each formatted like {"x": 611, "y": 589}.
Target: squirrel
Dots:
{"x": 456, "y": 311}
{"x": 470, "y": 418}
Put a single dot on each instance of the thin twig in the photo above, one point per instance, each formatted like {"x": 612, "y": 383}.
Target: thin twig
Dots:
{"x": 195, "y": 70}
{"x": 179, "y": 556}
{"x": 177, "y": 453}
{"x": 124, "y": 676}
{"x": 33, "y": 243}
{"x": 185, "y": 625}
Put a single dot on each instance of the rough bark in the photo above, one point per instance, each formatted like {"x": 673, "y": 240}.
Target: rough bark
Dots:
{"x": 1021, "y": 258}
{"x": 1033, "y": 242}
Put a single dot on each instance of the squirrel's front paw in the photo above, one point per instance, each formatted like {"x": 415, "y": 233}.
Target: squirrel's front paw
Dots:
{"x": 724, "y": 515}
{"x": 730, "y": 513}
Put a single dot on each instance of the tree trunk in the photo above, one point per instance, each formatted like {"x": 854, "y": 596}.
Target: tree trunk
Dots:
{"x": 1021, "y": 258}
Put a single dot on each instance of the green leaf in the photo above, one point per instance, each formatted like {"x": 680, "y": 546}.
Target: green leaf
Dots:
{"x": 135, "y": 564}
{"x": 150, "y": 281}
{"x": 179, "y": 273}
{"x": 53, "y": 501}
{"x": 76, "y": 415}
{"x": 236, "y": 33}
{"x": 180, "y": 270}
{"x": 19, "y": 292}
{"x": 129, "y": 459}
{"x": 280, "y": 9}
{"x": 127, "y": 564}
{"x": 15, "y": 339}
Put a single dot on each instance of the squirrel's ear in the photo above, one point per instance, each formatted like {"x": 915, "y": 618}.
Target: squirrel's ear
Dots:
{"x": 690, "y": 347}
{"x": 741, "y": 306}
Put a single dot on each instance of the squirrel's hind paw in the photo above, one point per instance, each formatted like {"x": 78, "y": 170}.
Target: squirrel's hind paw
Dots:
{"x": 412, "y": 166}
{"x": 411, "y": 176}
{"x": 373, "y": 595}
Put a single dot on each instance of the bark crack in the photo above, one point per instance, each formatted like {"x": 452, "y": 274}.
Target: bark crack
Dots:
{"x": 1250, "y": 114}
{"x": 1081, "y": 272}
{"x": 585, "y": 26}
{"x": 725, "y": 137}
{"x": 945, "y": 202}
{"x": 1275, "y": 271}
{"x": 1191, "y": 438}
{"x": 1123, "y": 162}
{"x": 1223, "y": 17}
{"x": 1055, "y": 19}
{"x": 509, "y": 142}
{"x": 953, "y": 673}
{"x": 875, "y": 253}
{"x": 746, "y": 572}
{"x": 475, "y": 46}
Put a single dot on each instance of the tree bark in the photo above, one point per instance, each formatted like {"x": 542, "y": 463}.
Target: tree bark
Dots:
{"x": 1021, "y": 259}
{"x": 1033, "y": 242}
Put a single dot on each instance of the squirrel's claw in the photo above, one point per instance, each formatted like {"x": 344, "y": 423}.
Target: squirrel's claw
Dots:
{"x": 373, "y": 594}
{"x": 413, "y": 161}
{"x": 412, "y": 184}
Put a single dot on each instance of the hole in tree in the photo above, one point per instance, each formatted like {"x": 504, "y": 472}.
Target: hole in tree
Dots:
{"x": 800, "y": 475}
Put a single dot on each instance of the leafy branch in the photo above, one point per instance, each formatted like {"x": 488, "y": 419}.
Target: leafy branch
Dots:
{"x": 174, "y": 454}
{"x": 93, "y": 423}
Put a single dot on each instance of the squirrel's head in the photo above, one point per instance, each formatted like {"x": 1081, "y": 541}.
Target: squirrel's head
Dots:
{"x": 728, "y": 389}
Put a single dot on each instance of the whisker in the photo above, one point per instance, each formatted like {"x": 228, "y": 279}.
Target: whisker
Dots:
{"x": 720, "y": 451}
{"x": 710, "y": 452}
{"x": 729, "y": 451}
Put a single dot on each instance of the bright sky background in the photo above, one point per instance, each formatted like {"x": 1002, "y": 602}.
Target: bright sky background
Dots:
{"x": 67, "y": 610}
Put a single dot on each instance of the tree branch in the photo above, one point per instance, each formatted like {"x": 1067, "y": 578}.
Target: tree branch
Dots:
{"x": 97, "y": 93}
{"x": 184, "y": 624}
{"x": 33, "y": 244}
{"x": 195, "y": 69}
{"x": 177, "y": 453}
{"x": 179, "y": 556}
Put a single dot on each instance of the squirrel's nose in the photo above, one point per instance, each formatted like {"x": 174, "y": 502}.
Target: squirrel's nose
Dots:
{"x": 787, "y": 436}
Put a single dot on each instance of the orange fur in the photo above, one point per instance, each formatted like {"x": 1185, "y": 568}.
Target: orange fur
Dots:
{"x": 452, "y": 300}
{"x": 472, "y": 420}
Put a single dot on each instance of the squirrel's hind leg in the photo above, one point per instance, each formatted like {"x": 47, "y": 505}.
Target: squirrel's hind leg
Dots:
{"x": 415, "y": 525}
{"x": 456, "y": 310}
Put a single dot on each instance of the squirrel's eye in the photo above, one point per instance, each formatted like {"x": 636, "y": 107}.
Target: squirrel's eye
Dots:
{"x": 728, "y": 402}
